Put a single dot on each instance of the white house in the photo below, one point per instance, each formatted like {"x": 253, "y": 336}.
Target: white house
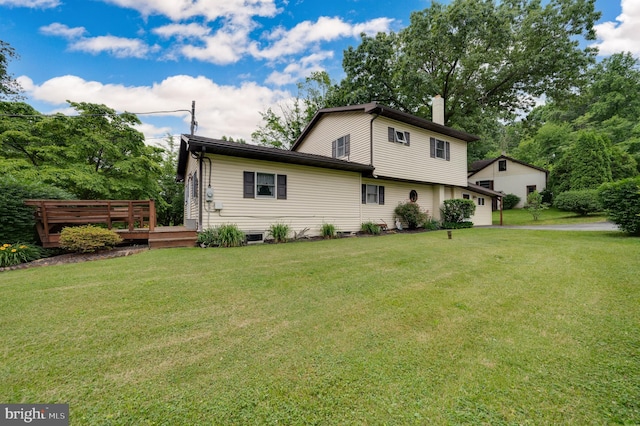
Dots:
{"x": 509, "y": 176}
{"x": 351, "y": 165}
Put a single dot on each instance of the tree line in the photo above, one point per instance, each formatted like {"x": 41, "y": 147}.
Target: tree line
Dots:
{"x": 491, "y": 62}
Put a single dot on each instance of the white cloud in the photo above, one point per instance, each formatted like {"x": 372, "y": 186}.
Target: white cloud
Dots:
{"x": 300, "y": 69}
{"x": 307, "y": 33}
{"x": 33, "y": 4}
{"x": 116, "y": 46}
{"x": 61, "y": 30}
{"x": 178, "y": 10}
{"x": 623, "y": 35}
{"x": 226, "y": 46}
{"x": 220, "y": 110}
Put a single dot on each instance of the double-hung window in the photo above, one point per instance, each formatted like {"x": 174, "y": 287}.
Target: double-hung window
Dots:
{"x": 264, "y": 185}
{"x": 372, "y": 194}
{"x": 440, "y": 149}
{"x": 340, "y": 147}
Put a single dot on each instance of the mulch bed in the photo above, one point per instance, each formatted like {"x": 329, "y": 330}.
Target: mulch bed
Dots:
{"x": 80, "y": 257}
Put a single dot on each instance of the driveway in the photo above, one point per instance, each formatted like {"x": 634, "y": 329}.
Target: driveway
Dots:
{"x": 595, "y": 226}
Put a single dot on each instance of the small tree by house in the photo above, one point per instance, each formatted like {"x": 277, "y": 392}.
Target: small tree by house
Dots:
{"x": 534, "y": 205}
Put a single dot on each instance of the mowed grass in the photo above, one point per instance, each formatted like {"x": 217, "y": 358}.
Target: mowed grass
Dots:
{"x": 494, "y": 326}
{"x": 551, "y": 216}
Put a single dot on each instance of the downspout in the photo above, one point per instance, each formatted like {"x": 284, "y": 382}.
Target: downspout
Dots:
{"x": 200, "y": 185}
{"x": 371, "y": 139}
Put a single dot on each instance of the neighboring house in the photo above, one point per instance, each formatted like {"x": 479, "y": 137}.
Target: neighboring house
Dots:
{"x": 351, "y": 165}
{"x": 509, "y": 176}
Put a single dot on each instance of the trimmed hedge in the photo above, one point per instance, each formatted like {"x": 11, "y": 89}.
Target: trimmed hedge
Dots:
{"x": 581, "y": 202}
{"x": 509, "y": 201}
{"x": 88, "y": 238}
{"x": 457, "y": 210}
{"x": 621, "y": 200}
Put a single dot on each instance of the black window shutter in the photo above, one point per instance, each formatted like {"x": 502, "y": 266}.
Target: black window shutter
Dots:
{"x": 432, "y": 151}
{"x": 282, "y": 187}
{"x": 347, "y": 145}
{"x": 195, "y": 185}
{"x": 380, "y": 194}
{"x": 249, "y": 185}
{"x": 447, "y": 154}
{"x": 364, "y": 193}
{"x": 392, "y": 134}
{"x": 406, "y": 138}
{"x": 333, "y": 149}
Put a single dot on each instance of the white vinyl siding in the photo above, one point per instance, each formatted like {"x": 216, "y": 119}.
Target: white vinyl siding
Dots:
{"x": 313, "y": 196}
{"x": 395, "y": 193}
{"x": 483, "y": 215}
{"x": 414, "y": 161}
{"x": 514, "y": 180}
{"x": 333, "y": 126}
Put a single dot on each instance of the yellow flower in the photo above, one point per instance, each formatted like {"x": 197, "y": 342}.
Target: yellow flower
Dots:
{"x": 6, "y": 245}
{"x": 13, "y": 250}
{"x": 23, "y": 247}
{"x": 3, "y": 248}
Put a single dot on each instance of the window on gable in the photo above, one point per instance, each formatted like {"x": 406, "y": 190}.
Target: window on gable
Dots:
{"x": 502, "y": 165}
{"x": 264, "y": 185}
{"x": 372, "y": 194}
{"x": 340, "y": 147}
{"x": 399, "y": 136}
{"x": 440, "y": 149}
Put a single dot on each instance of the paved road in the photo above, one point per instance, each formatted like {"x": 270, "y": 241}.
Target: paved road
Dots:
{"x": 596, "y": 226}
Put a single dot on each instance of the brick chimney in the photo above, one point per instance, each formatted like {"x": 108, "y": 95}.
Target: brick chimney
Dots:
{"x": 437, "y": 110}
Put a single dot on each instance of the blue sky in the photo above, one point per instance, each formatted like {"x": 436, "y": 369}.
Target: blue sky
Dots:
{"x": 235, "y": 58}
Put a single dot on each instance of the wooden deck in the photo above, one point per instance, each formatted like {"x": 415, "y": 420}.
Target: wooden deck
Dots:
{"x": 133, "y": 220}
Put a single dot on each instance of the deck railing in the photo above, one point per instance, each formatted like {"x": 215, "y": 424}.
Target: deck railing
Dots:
{"x": 52, "y": 215}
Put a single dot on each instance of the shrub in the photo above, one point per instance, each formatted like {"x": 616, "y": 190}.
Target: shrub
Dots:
{"x": 581, "y": 202}
{"x": 457, "y": 225}
{"x": 621, "y": 200}
{"x": 457, "y": 210}
{"x": 88, "y": 238}
{"x": 509, "y": 201}
{"x": 14, "y": 254}
{"x": 208, "y": 238}
{"x": 534, "y": 205}
{"x": 227, "y": 235}
{"x": 431, "y": 224}
{"x": 279, "y": 232}
{"x": 328, "y": 230}
{"x": 16, "y": 219}
{"x": 547, "y": 196}
{"x": 370, "y": 228}
{"x": 410, "y": 214}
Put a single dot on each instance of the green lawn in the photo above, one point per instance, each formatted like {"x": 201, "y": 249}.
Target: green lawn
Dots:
{"x": 495, "y": 326}
{"x": 552, "y": 216}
